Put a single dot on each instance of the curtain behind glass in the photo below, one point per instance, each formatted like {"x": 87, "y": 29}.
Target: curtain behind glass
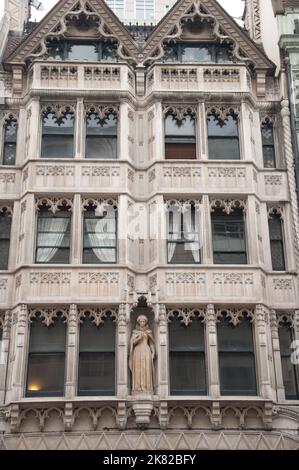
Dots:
{"x": 54, "y": 229}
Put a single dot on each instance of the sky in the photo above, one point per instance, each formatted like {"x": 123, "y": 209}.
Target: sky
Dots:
{"x": 234, "y": 7}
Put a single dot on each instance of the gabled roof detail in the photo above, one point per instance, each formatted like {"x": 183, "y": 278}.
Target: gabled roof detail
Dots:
{"x": 56, "y": 24}
{"x": 224, "y": 29}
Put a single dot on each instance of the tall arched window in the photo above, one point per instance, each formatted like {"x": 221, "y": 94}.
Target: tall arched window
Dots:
{"x": 223, "y": 135}
{"x": 180, "y": 135}
{"x": 58, "y": 133}
{"x": 10, "y": 140}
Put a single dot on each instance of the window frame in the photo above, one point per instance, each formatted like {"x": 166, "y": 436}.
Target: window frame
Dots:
{"x": 213, "y": 47}
{"x": 269, "y": 123}
{"x": 202, "y": 351}
{"x": 6, "y": 213}
{"x": 231, "y": 351}
{"x": 74, "y": 134}
{"x": 114, "y": 351}
{"x": 87, "y": 206}
{"x": 271, "y": 215}
{"x": 220, "y": 118}
{"x": 111, "y": 112}
{"x": 66, "y": 43}
{"x": 8, "y": 118}
{"x": 43, "y": 395}
{"x": 220, "y": 213}
{"x": 187, "y": 137}
{"x": 44, "y": 206}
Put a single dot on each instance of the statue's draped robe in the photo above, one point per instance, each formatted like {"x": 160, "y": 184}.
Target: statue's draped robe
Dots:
{"x": 142, "y": 350}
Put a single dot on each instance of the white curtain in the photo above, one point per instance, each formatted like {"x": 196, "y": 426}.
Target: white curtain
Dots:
{"x": 174, "y": 228}
{"x": 51, "y": 232}
{"x": 191, "y": 232}
{"x": 102, "y": 233}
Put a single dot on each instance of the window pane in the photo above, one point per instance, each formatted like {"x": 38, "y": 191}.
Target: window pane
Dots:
{"x": 9, "y": 154}
{"x": 267, "y": 135}
{"x": 96, "y": 374}
{"x": 45, "y": 339}
{"x": 195, "y": 54}
{"x": 58, "y": 136}
{"x": 180, "y": 150}
{"x": 228, "y": 128}
{"x": 269, "y": 157}
{"x": 101, "y": 147}
{"x": 53, "y": 237}
{"x": 5, "y": 228}
{"x": 45, "y": 375}
{"x": 83, "y": 52}
{"x": 229, "y": 244}
{"x": 187, "y": 373}
{"x": 186, "y": 338}
{"x": 173, "y": 127}
{"x": 224, "y": 149}
{"x": 237, "y": 374}
{"x": 290, "y": 380}
{"x": 276, "y": 243}
{"x": 101, "y": 136}
{"x": 235, "y": 338}
{"x": 97, "y": 338}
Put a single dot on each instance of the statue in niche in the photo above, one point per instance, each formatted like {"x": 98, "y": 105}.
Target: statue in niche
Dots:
{"x": 141, "y": 358}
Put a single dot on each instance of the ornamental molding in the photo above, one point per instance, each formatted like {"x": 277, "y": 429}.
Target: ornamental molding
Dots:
{"x": 273, "y": 180}
{"x": 286, "y": 318}
{"x": 222, "y": 111}
{"x": 58, "y": 109}
{"x": 102, "y": 111}
{"x": 99, "y": 278}
{"x": 54, "y": 205}
{"x": 180, "y": 111}
{"x": 97, "y": 315}
{"x": 6, "y": 209}
{"x": 3, "y": 284}
{"x": 2, "y": 320}
{"x": 6, "y": 116}
{"x": 59, "y": 278}
{"x": 267, "y": 118}
{"x": 185, "y": 278}
{"x": 226, "y": 172}
{"x": 228, "y": 205}
{"x": 7, "y": 177}
{"x": 182, "y": 205}
{"x": 223, "y": 27}
{"x": 48, "y": 316}
{"x": 185, "y": 315}
{"x": 100, "y": 204}
{"x": 233, "y": 315}
{"x": 181, "y": 171}
{"x": 282, "y": 284}
{"x": 275, "y": 210}
{"x": 233, "y": 278}
{"x": 97, "y": 17}
{"x": 100, "y": 171}
{"x": 57, "y": 170}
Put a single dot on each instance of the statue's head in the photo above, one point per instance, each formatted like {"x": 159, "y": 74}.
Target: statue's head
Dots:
{"x": 142, "y": 321}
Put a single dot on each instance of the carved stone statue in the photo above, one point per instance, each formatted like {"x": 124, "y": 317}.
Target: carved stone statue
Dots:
{"x": 142, "y": 353}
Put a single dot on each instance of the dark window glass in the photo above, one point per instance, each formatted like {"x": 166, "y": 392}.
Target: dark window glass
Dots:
{"x": 5, "y": 229}
{"x": 97, "y": 358}
{"x": 101, "y": 137}
{"x": 268, "y": 145}
{"x": 99, "y": 245}
{"x": 236, "y": 358}
{"x": 183, "y": 242}
{"x": 276, "y": 243}
{"x": 58, "y": 136}
{"x": 187, "y": 358}
{"x": 10, "y": 141}
{"x": 199, "y": 53}
{"x": 46, "y": 361}
{"x": 229, "y": 245}
{"x": 223, "y": 138}
{"x": 89, "y": 51}
{"x": 53, "y": 236}
{"x": 180, "y": 138}
{"x": 289, "y": 370}
{"x": 83, "y": 52}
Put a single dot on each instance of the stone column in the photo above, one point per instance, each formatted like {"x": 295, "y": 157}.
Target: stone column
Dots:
{"x": 245, "y": 133}
{"x": 35, "y": 129}
{"x": 207, "y": 249}
{"x": 30, "y": 214}
{"x": 123, "y": 131}
{"x": 276, "y": 357}
{"x": 4, "y": 350}
{"x": 14, "y": 235}
{"x": 72, "y": 353}
{"x": 252, "y": 230}
{"x": 158, "y": 126}
{"x": 122, "y": 231}
{"x": 213, "y": 380}
{"x": 202, "y": 132}
{"x": 19, "y": 353}
{"x": 262, "y": 351}
{"x": 21, "y": 137}
{"x": 122, "y": 389}
{"x": 289, "y": 158}
{"x": 162, "y": 351}
{"x": 79, "y": 137}
{"x": 77, "y": 235}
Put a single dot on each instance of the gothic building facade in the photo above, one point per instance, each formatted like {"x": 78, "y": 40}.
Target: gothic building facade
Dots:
{"x": 145, "y": 178}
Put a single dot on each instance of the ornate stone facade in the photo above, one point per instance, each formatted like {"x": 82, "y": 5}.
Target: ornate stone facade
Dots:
{"x": 139, "y": 88}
